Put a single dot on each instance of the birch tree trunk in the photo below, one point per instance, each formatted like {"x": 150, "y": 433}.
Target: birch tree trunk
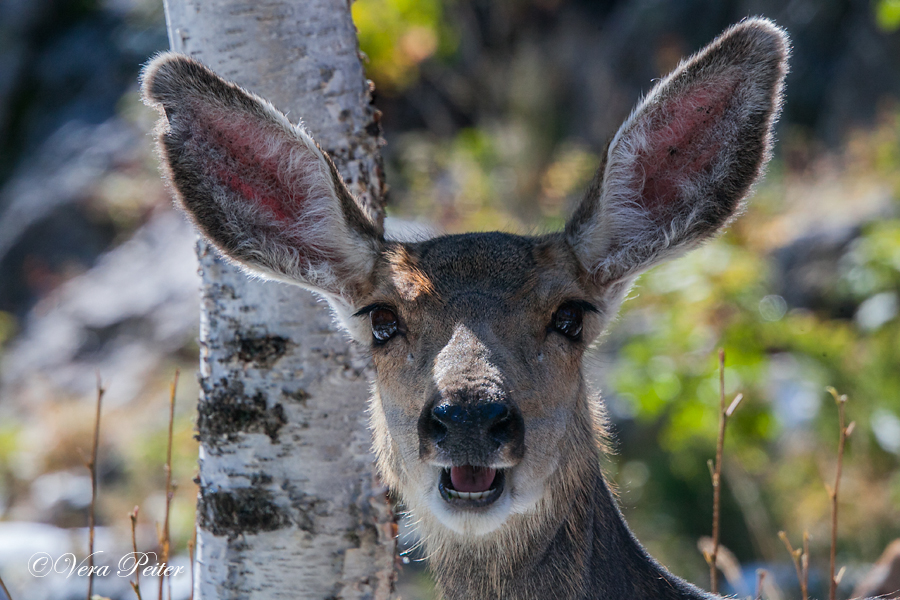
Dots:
{"x": 289, "y": 506}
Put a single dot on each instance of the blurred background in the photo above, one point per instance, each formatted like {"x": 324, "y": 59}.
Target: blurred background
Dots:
{"x": 496, "y": 113}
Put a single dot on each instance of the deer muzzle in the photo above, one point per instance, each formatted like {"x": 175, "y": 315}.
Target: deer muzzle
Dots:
{"x": 474, "y": 441}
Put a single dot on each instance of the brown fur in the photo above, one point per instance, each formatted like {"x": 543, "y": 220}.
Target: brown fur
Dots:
{"x": 406, "y": 276}
{"x": 476, "y": 313}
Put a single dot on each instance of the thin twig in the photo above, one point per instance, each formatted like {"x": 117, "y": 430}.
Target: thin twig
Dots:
{"x": 720, "y": 443}
{"x": 136, "y": 584}
{"x": 164, "y": 541}
{"x": 798, "y": 556}
{"x": 724, "y": 413}
{"x": 760, "y": 578}
{"x": 92, "y": 465}
{"x": 804, "y": 564}
{"x": 841, "y": 401}
{"x": 192, "y": 546}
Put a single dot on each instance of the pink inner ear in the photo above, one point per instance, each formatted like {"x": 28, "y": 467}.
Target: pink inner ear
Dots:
{"x": 264, "y": 168}
{"x": 254, "y": 194}
{"x": 246, "y": 168}
{"x": 684, "y": 137}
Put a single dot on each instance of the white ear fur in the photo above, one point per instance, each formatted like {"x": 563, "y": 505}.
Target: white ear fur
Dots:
{"x": 620, "y": 229}
{"x": 258, "y": 186}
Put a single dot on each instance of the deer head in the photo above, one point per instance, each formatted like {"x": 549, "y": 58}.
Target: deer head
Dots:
{"x": 482, "y": 418}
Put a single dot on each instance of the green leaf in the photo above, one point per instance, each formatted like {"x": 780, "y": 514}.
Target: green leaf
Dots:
{"x": 887, "y": 15}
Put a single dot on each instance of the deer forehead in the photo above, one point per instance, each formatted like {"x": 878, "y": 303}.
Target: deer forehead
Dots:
{"x": 476, "y": 307}
{"x": 479, "y": 275}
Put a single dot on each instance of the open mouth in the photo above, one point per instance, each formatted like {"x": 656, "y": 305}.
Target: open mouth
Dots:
{"x": 471, "y": 487}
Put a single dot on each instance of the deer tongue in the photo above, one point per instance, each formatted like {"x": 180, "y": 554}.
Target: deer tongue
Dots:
{"x": 472, "y": 479}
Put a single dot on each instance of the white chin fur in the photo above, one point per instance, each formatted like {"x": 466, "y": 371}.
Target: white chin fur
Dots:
{"x": 517, "y": 499}
{"x": 526, "y": 499}
{"x": 470, "y": 523}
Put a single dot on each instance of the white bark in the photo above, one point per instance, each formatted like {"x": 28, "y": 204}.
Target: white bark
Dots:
{"x": 289, "y": 506}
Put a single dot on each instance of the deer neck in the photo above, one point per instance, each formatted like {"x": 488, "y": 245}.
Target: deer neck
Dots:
{"x": 575, "y": 545}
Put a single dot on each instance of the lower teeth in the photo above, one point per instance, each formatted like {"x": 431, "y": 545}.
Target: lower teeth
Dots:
{"x": 468, "y": 495}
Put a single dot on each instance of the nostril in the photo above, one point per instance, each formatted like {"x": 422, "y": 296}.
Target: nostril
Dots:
{"x": 500, "y": 428}
{"x": 445, "y": 414}
{"x": 438, "y": 430}
{"x": 492, "y": 413}
{"x": 442, "y": 417}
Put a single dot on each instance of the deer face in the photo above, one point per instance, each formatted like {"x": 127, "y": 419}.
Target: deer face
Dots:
{"x": 477, "y": 339}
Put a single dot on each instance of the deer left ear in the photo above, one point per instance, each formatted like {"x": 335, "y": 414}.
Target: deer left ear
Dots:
{"x": 257, "y": 186}
{"x": 680, "y": 167}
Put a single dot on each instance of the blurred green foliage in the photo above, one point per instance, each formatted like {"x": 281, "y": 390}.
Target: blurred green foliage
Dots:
{"x": 9, "y": 442}
{"x": 887, "y": 14}
{"x": 7, "y": 327}
{"x": 397, "y": 35}
{"x": 482, "y": 177}
{"x": 782, "y": 441}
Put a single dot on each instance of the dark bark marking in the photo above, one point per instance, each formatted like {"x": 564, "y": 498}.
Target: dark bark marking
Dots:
{"x": 239, "y": 512}
{"x": 327, "y": 74}
{"x": 299, "y": 395}
{"x": 226, "y": 411}
{"x": 260, "y": 479}
{"x": 306, "y": 506}
{"x": 262, "y": 352}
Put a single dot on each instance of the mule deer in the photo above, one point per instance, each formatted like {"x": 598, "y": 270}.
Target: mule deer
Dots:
{"x": 482, "y": 420}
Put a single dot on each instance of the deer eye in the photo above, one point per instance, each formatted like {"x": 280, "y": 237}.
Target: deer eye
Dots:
{"x": 384, "y": 324}
{"x": 567, "y": 320}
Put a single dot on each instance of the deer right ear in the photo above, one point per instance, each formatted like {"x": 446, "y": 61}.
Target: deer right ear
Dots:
{"x": 259, "y": 188}
{"x": 680, "y": 167}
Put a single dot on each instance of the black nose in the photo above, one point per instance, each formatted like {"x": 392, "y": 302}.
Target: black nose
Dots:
{"x": 490, "y": 417}
{"x": 479, "y": 428}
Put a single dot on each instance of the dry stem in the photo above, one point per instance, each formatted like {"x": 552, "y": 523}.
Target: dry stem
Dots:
{"x": 760, "y": 578}
{"x": 192, "y": 545}
{"x": 841, "y": 401}
{"x": 164, "y": 538}
{"x": 724, "y": 413}
{"x": 92, "y": 465}
{"x": 804, "y": 564}
{"x": 800, "y": 557}
{"x": 136, "y": 584}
